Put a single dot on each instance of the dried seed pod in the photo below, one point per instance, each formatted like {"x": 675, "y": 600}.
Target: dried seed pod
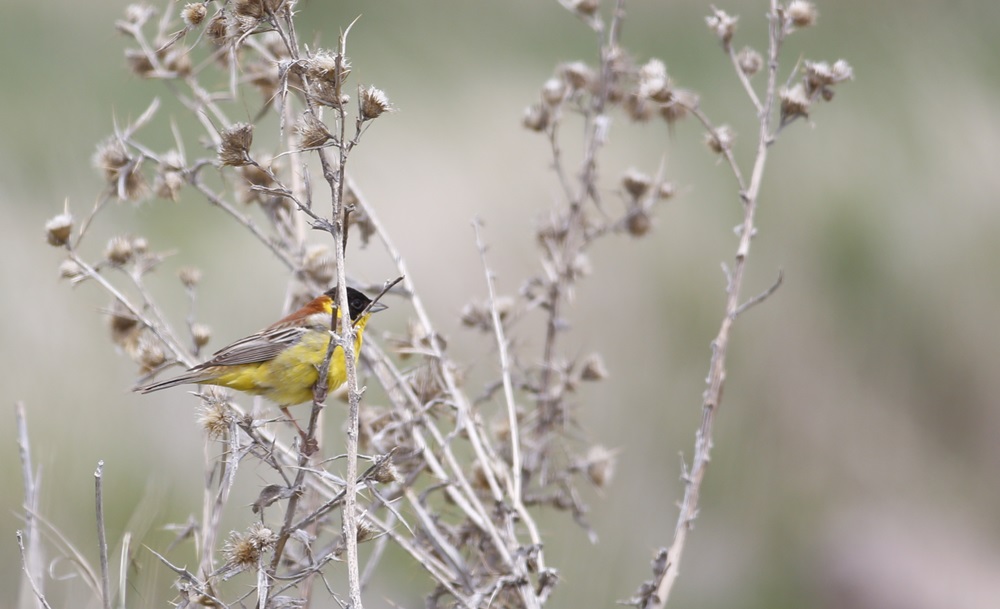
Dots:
{"x": 794, "y": 102}
{"x": 721, "y": 139}
{"x": 801, "y": 13}
{"x": 194, "y": 13}
{"x": 119, "y": 250}
{"x": 636, "y": 183}
{"x": 234, "y": 145}
{"x": 723, "y": 25}
{"x": 593, "y": 368}
{"x": 374, "y": 103}
{"x": 750, "y": 61}
{"x": 536, "y": 117}
{"x": 58, "y": 229}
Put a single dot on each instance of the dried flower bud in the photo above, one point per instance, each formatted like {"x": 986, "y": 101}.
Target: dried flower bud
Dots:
{"x": 374, "y": 103}
{"x": 636, "y": 183}
{"x": 750, "y": 61}
{"x": 260, "y": 173}
{"x": 638, "y": 222}
{"x": 536, "y": 117}
{"x": 587, "y": 8}
{"x": 362, "y": 221}
{"x": 119, "y": 250}
{"x": 505, "y": 307}
{"x": 794, "y": 102}
{"x": 801, "y": 13}
{"x": 147, "y": 351}
{"x": 476, "y": 315}
{"x": 638, "y": 108}
{"x": 69, "y": 269}
{"x": 385, "y": 472}
{"x": 168, "y": 183}
{"x": 720, "y": 140}
{"x": 138, "y": 14}
{"x": 579, "y": 267}
{"x": 139, "y": 63}
{"x": 842, "y": 71}
{"x": 578, "y": 75}
{"x": 216, "y": 414}
{"x": 312, "y": 131}
{"x": 654, "y": 82}
{"x": 666, "y": 190}
{"x": 593, "y": 368}
{"x": 600, "y": 465}
{"x": 217, "y": 29}
{"x": 193, "y": 14}
{"x": 328, "y": 66}
{"x": 554, "y": 91}
{"x": 247, "y": 14}
{"x": 120, "y": 170}
{"x": 551, "y": 231}
{"x": 190, "y": 276}
{"x": 818, "y": 74}
{"x": 319, "y": 264}
{"x": 479, "y": 480}
{"x": 365, "y": 530}
{"x": 201, "y": 334}
{"x": 677, "y": 108}
{"x": 234, "y": 147}
{"x": 253, "y": 9}
{"x": 176, "y": 59}
{"x": 121, "y": 322}
{"x": 58, "y": 229}
{"x": 722, "y": 25}
{"x": 243, "y": 550}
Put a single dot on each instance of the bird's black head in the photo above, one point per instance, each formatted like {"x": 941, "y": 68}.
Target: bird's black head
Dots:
{"x": 356, "y": 302}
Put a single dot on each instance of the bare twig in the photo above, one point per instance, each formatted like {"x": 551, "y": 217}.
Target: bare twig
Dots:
{"x": 516, "y": 474}
{"x": 759, "y": 298}
{"x": 102, "y": 542}
{"x": 32, "y": 558}
{"x": 712, "y": 398}
{"x": 27, "y": 573}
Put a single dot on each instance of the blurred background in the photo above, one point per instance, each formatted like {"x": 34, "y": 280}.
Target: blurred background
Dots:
{"x": 856, "y": 461}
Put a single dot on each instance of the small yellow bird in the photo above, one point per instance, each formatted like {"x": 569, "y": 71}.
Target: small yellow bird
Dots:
{"x": 282, "y": 361}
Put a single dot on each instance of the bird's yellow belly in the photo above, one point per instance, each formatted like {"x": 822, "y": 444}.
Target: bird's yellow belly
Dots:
{"x": 289, "y": 378}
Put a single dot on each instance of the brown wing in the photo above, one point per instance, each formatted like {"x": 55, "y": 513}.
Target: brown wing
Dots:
{"x": 256, "y": 348}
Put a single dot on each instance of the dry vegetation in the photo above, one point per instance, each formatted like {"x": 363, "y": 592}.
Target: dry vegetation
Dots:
{"x": 449, "y": 476}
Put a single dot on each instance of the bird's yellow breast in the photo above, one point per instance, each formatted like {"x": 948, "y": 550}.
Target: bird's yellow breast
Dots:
{"x": 288, "y": 379}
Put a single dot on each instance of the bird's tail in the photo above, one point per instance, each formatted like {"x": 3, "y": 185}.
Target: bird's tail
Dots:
{"x": 184, "y": 379}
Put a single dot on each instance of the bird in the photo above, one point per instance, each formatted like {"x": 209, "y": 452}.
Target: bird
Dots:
{"x": 282, "y": 361}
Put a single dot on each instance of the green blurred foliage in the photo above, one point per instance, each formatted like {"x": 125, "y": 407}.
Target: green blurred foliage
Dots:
{"x": 860, "y": 417}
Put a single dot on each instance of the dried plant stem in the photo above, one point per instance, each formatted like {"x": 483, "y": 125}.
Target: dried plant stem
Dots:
{"x": 31, "y": 556}
{"x": 27, "y": 573}
{"x": 346, "y": 333}
{"x": 573, "y": 222}
{"x": 102, "y": 542}
{"x": 516, "y": 474}
{"x": 712, "y": 398}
